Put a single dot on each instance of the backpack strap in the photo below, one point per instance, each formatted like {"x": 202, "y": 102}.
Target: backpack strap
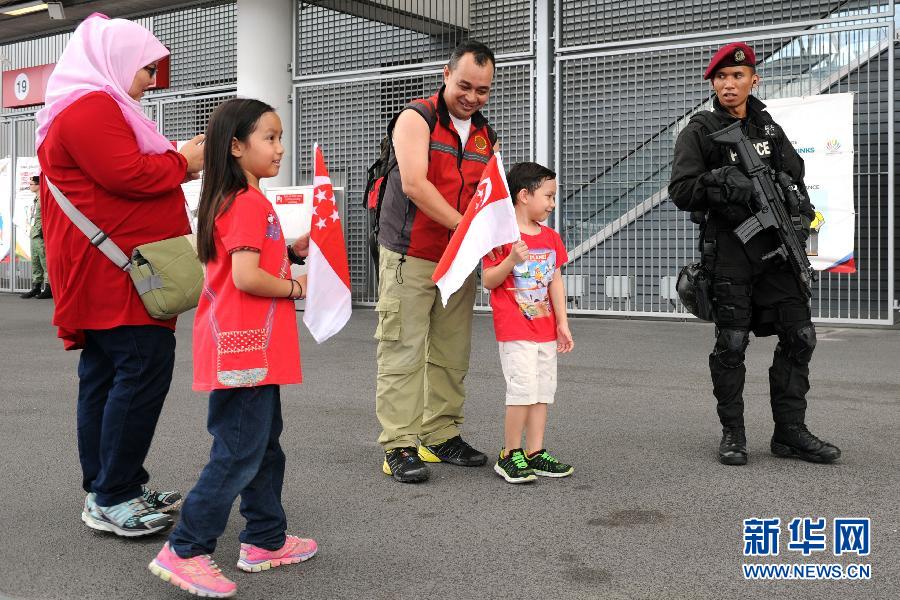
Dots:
{"x": 424, "y": 107}
{"x": 428, "y": 110}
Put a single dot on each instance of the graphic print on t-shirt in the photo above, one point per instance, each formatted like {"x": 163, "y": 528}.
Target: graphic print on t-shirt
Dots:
{"x": 273, "y": 229}
{"x": 531, "y": 279}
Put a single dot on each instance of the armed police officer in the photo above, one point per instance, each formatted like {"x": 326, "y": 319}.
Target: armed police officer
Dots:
{"x": 752, "y": 289}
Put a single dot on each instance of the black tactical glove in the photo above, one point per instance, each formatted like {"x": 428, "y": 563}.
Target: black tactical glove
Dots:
{"x": 803, "y": 232}
{"x": 732, "y": 193}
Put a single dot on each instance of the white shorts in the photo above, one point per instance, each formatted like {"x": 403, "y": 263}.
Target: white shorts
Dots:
{"x": 530, "y": 372}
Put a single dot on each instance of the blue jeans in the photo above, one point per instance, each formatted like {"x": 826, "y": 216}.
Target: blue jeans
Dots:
{"x": 124, "y": 375}
{"x": 246, "y": 460}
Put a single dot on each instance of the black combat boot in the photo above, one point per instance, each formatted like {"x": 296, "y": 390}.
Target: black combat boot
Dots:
{"x": 34, "y": 291}
{"x": 733, "y": 447}
{"x": 795, "y": 440}
{"x": 404, "y": 465}
{"x": 45, "y": 293}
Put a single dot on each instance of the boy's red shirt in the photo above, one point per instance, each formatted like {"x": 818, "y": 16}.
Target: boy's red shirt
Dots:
{"x": 521, "y": 304}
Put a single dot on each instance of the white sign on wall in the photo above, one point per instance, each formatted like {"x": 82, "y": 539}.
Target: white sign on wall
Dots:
{"x": 293, "y": 205}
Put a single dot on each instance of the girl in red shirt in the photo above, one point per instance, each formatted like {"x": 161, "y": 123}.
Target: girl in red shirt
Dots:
{"x": 245, "y": 347}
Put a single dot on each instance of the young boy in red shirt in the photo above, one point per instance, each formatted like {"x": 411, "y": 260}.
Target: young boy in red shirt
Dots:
{"x": 529, "y": 302}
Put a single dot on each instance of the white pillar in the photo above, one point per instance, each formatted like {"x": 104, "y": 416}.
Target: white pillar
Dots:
{"x": 543, "y": 85}
{"x": 264, "y": 58}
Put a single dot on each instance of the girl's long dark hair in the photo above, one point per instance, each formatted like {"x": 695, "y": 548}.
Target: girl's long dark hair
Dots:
{"x": 223, "y": 177}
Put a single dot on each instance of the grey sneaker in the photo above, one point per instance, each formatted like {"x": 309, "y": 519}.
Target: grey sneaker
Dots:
{"x": 161, "y": 501}
{"x": 89, "y": 513}
{"x": 132, "y": 518}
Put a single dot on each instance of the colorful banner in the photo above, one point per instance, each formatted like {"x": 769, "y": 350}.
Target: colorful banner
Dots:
{"x": 821, "y": 130}
{"x": 23, "y": 203}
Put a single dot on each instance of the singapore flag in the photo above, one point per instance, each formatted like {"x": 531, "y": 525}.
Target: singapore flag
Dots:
{"x": 328, "y": 276}
{"x": 489, "y": 222}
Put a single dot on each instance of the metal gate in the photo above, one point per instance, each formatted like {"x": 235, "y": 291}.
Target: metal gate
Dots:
{"x": 16, "y": 140}
{"x": 626, "y": 77}
{"x": 356, "y": 65}
{"x": 629, "y": 77}
{"x": 202, "y": 40}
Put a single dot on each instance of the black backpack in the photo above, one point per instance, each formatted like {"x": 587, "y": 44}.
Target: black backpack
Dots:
{"x": 378, "y": 172}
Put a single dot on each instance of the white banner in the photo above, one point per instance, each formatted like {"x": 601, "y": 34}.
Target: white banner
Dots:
{"x": 821, "y": 130}
{"x": 23, "y": 203}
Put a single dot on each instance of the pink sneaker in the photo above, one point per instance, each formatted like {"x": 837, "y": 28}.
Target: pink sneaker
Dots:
{"x": 198, "y": 575}
{"x": 255, "y": 559}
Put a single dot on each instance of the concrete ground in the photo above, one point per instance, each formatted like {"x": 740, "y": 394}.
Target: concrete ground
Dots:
{"x": 649, "y": 512}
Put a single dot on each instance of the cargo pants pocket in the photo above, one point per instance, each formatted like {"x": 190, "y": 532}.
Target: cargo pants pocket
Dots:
{"x": 388, "y": 329}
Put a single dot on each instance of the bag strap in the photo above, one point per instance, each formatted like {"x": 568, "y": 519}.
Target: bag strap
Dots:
{"x": 429, "y": 112}
{"x": 94, "y": 234}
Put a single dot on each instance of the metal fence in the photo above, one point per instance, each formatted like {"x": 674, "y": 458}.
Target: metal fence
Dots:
{"x": 358, "y": 64}
{"x": 621, "y": 104}
{"x": 627, "y": 77}
{"x": 202, "y": 40}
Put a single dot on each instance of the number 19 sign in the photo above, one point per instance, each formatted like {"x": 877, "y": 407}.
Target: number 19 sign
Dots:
{"x": 25, "y": 87}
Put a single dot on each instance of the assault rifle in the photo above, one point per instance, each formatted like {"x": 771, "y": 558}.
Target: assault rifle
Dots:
{"x": 772, "y": 194}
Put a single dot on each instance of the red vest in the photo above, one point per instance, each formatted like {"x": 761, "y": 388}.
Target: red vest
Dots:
{"x": 453, "y": 170}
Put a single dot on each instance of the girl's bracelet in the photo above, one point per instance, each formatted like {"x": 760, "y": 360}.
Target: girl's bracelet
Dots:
{"x": 291, "y": 293}
{"x": 294, "y": 296}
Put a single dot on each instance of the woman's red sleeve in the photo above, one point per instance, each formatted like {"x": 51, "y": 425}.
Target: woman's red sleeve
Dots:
{"x": 102, "y": 143}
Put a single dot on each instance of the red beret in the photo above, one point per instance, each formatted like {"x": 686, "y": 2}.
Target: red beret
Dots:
{"x": 735, "y": 54}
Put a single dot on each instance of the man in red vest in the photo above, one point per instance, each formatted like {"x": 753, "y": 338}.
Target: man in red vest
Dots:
{"x": 441, "y": 145}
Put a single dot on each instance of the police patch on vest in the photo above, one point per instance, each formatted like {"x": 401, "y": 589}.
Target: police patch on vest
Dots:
{"x": 762, "y": 147}
{"x": 481, "y": 144}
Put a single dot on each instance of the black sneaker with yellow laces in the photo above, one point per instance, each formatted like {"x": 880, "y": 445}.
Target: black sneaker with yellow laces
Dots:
{"x": 454, "y": 451}
{"x": 404, "y": 465}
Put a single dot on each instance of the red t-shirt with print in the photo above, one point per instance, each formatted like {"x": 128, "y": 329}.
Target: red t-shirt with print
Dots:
{"x": 521, "y": 304}
{"x": 240, "y": 339}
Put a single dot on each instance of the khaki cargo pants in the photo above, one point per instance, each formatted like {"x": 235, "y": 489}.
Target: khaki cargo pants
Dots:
{"x": 423, "y": 353}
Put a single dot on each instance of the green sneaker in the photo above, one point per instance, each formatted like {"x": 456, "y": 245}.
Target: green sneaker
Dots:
{"x": 546, "y": 466}
{"x": 514, "y": 467}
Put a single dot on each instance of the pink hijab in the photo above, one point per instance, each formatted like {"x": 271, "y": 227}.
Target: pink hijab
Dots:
{"x": 104, "y": 55}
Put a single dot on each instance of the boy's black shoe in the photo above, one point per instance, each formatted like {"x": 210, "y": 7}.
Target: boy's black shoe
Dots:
{"x": 454, "y": 451}
{"x": 514, "y": 467}
{"x": 34, "y": 291}
{"x": 404, "y": 465}
{"x": 795, "y": 440}
{"x": 733, "y": 447}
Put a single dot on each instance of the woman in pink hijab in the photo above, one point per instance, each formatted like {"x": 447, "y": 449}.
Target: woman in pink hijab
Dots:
{"x": 97, "y": 146}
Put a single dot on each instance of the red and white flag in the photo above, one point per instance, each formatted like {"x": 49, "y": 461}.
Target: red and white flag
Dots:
{"x": 328, "y": 276}
{"x": 489, "y": 222}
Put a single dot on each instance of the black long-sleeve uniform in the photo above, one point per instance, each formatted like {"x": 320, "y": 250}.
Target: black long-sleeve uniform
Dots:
{"x": 748, "y": 294}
